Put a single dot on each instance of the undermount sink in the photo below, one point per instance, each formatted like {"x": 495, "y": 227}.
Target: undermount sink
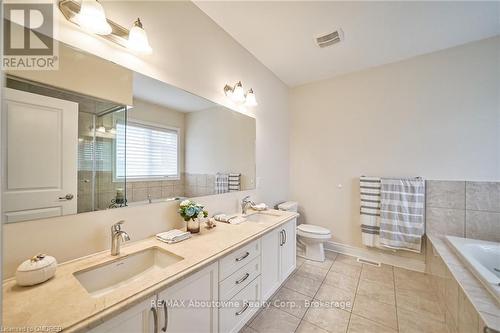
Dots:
{"x": 263, "y": 216}
{"x": 105, "y": 278}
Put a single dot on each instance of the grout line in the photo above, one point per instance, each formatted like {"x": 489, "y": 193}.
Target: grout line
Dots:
{"x": 465, "y": 212}
{"x": 395, "y": 298}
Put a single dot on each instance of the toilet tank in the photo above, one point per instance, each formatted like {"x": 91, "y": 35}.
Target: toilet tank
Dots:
{"x": 289, "y": 206}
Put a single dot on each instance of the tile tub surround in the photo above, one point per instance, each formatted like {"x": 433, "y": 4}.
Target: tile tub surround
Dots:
{"x": 464, "y": 299}
{"x": 463, "y": 209}
{"x": 382, "y": 299}
{"x": 63, "y": 302}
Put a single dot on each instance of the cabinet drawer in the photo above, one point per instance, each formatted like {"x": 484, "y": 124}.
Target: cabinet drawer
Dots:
{"x": 234, "y": 314}
{"x": 237, "y": 259}
{"x": 239, "y": 279}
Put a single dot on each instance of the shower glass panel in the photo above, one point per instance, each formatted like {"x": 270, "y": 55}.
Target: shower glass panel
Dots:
{"x": 98, "y": 153}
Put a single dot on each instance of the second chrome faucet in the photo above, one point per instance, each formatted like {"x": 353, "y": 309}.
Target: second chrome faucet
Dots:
{"x": 117, "y": 237}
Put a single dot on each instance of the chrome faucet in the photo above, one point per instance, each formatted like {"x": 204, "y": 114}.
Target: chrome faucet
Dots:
{"x": 117, "y": 236}
{"x": 245, "y": 202}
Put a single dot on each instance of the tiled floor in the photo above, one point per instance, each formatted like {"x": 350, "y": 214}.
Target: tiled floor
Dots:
{"x": 341, "y": 295}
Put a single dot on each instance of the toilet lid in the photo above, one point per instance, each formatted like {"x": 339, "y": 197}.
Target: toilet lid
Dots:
{"x": 313, "y": 229}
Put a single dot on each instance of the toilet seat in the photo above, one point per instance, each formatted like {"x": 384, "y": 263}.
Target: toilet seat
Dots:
{"x": 313, "y": 231}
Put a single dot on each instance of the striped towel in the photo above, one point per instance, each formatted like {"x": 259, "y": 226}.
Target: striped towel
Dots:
{"x": 402, "y": 207}
{"x": 234, "y": 182}
{"x": 221, "y": 183}
{"x": 369, "y": 189}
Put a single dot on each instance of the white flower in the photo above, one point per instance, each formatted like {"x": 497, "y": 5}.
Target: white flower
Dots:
{"x": 185, "y": 203}
{"x": 200, "y": 215}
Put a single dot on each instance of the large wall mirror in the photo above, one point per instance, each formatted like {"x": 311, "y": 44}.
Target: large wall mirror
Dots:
{"x": 94, "y": 136}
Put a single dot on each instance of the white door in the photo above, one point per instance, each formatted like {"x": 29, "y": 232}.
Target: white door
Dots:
{"x": 270, "y": 272}
{"x": 138, "y": 319}
{"x": 40, "y": 154}
{"x": 188, "y": 308}
{"x": 288, "y": 250}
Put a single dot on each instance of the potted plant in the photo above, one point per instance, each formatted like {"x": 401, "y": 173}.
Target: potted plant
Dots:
{"x": 192, "y": 213}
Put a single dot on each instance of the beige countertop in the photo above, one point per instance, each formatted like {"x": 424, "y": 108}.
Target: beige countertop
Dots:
{"x": 62, "y": 302}
{"x": 486, "y": 306}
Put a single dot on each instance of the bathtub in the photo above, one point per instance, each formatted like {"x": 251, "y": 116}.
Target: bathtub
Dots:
{"x": 483, "y": 260}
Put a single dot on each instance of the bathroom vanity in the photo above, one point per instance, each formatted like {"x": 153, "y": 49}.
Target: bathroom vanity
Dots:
{"x": 212, "y": 282}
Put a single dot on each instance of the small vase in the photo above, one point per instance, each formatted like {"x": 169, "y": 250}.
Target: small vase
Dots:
{"x": 193, "y": 226}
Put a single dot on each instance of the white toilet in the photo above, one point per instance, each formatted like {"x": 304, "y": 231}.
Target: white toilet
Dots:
{"x": 310, "y": 236}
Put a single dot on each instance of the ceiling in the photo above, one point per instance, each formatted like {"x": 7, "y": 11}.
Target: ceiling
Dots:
{"x": 160, "y": 93}
{"x": 281, "y": 34}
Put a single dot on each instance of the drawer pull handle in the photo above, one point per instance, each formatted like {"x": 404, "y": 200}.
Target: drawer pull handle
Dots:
{"x": 243, "y": 278}
{"x": 245, "y": 307}
{"x": 165, "y": 313}
{"x": 155, "y": 319}
{"x": 243, "y": 256}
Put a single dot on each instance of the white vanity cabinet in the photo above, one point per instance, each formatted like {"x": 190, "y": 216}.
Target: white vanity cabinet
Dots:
{"x": 191, "y": 304}
{"x": 219, "y": 298}
{"x": 278, "y": 257}
{"x": 140, "y": 318}
{"x": 239, "y": 287}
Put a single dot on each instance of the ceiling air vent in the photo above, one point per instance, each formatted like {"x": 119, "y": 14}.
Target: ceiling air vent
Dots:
{"x": 330, "y": 39}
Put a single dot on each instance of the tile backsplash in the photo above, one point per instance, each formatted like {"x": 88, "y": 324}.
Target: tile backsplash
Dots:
{"x": 464, "y": 208}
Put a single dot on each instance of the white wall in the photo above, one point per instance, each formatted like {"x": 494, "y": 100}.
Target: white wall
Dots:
{"x": 435, "y": 116}
{"x": 190, "y": 52}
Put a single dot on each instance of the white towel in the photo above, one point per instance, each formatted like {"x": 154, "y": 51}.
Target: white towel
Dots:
{"x": 369, "y": 188}
{"x": 231, "y": 219}
{"x": 402, "y": 207}
{"x": 173, "y": 236}
{"x": 234, "y": 182}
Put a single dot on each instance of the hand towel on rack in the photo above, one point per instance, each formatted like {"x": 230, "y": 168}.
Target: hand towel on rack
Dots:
{"x": 402, "y": 206}
{"x": 234, "y": 182}
{"x": 221, "y": 183}
{"x": 369, "y": 189}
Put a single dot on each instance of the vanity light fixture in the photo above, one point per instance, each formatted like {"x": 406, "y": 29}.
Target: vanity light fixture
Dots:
{"x": 138, "y": 39}
{"x": 237, "y": 95}
{"x": 90, "y": 16}
{"x": 250, "y": 99}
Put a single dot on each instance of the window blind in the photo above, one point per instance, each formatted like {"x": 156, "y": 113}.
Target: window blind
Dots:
{"x": 151, "y": 152}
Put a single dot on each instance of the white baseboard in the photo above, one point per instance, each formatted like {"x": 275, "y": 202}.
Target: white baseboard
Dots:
{"x": 377, "y": 256}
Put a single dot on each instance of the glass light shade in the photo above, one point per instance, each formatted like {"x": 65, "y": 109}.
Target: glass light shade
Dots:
{"x": 92, "y": 18}
{"x": 250, "y": 99}
{"x": 238, "y": 94}
{"x": 138, "y": 39}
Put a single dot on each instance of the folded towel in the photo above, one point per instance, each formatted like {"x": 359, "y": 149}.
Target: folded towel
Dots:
{"x": 261, "y": 206}
{"x": 173, "y": 236}
{"x": 402, "y": 207}
{"x": 231, "y": 219}
{"x": 369, "y": 189}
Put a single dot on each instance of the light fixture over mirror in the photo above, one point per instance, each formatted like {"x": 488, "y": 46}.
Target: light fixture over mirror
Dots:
{"x": 237, "y": 95}
{"x": 90, "y": 16}
{"x": 138, "y": 39}
{"x": 250, "y": 99}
